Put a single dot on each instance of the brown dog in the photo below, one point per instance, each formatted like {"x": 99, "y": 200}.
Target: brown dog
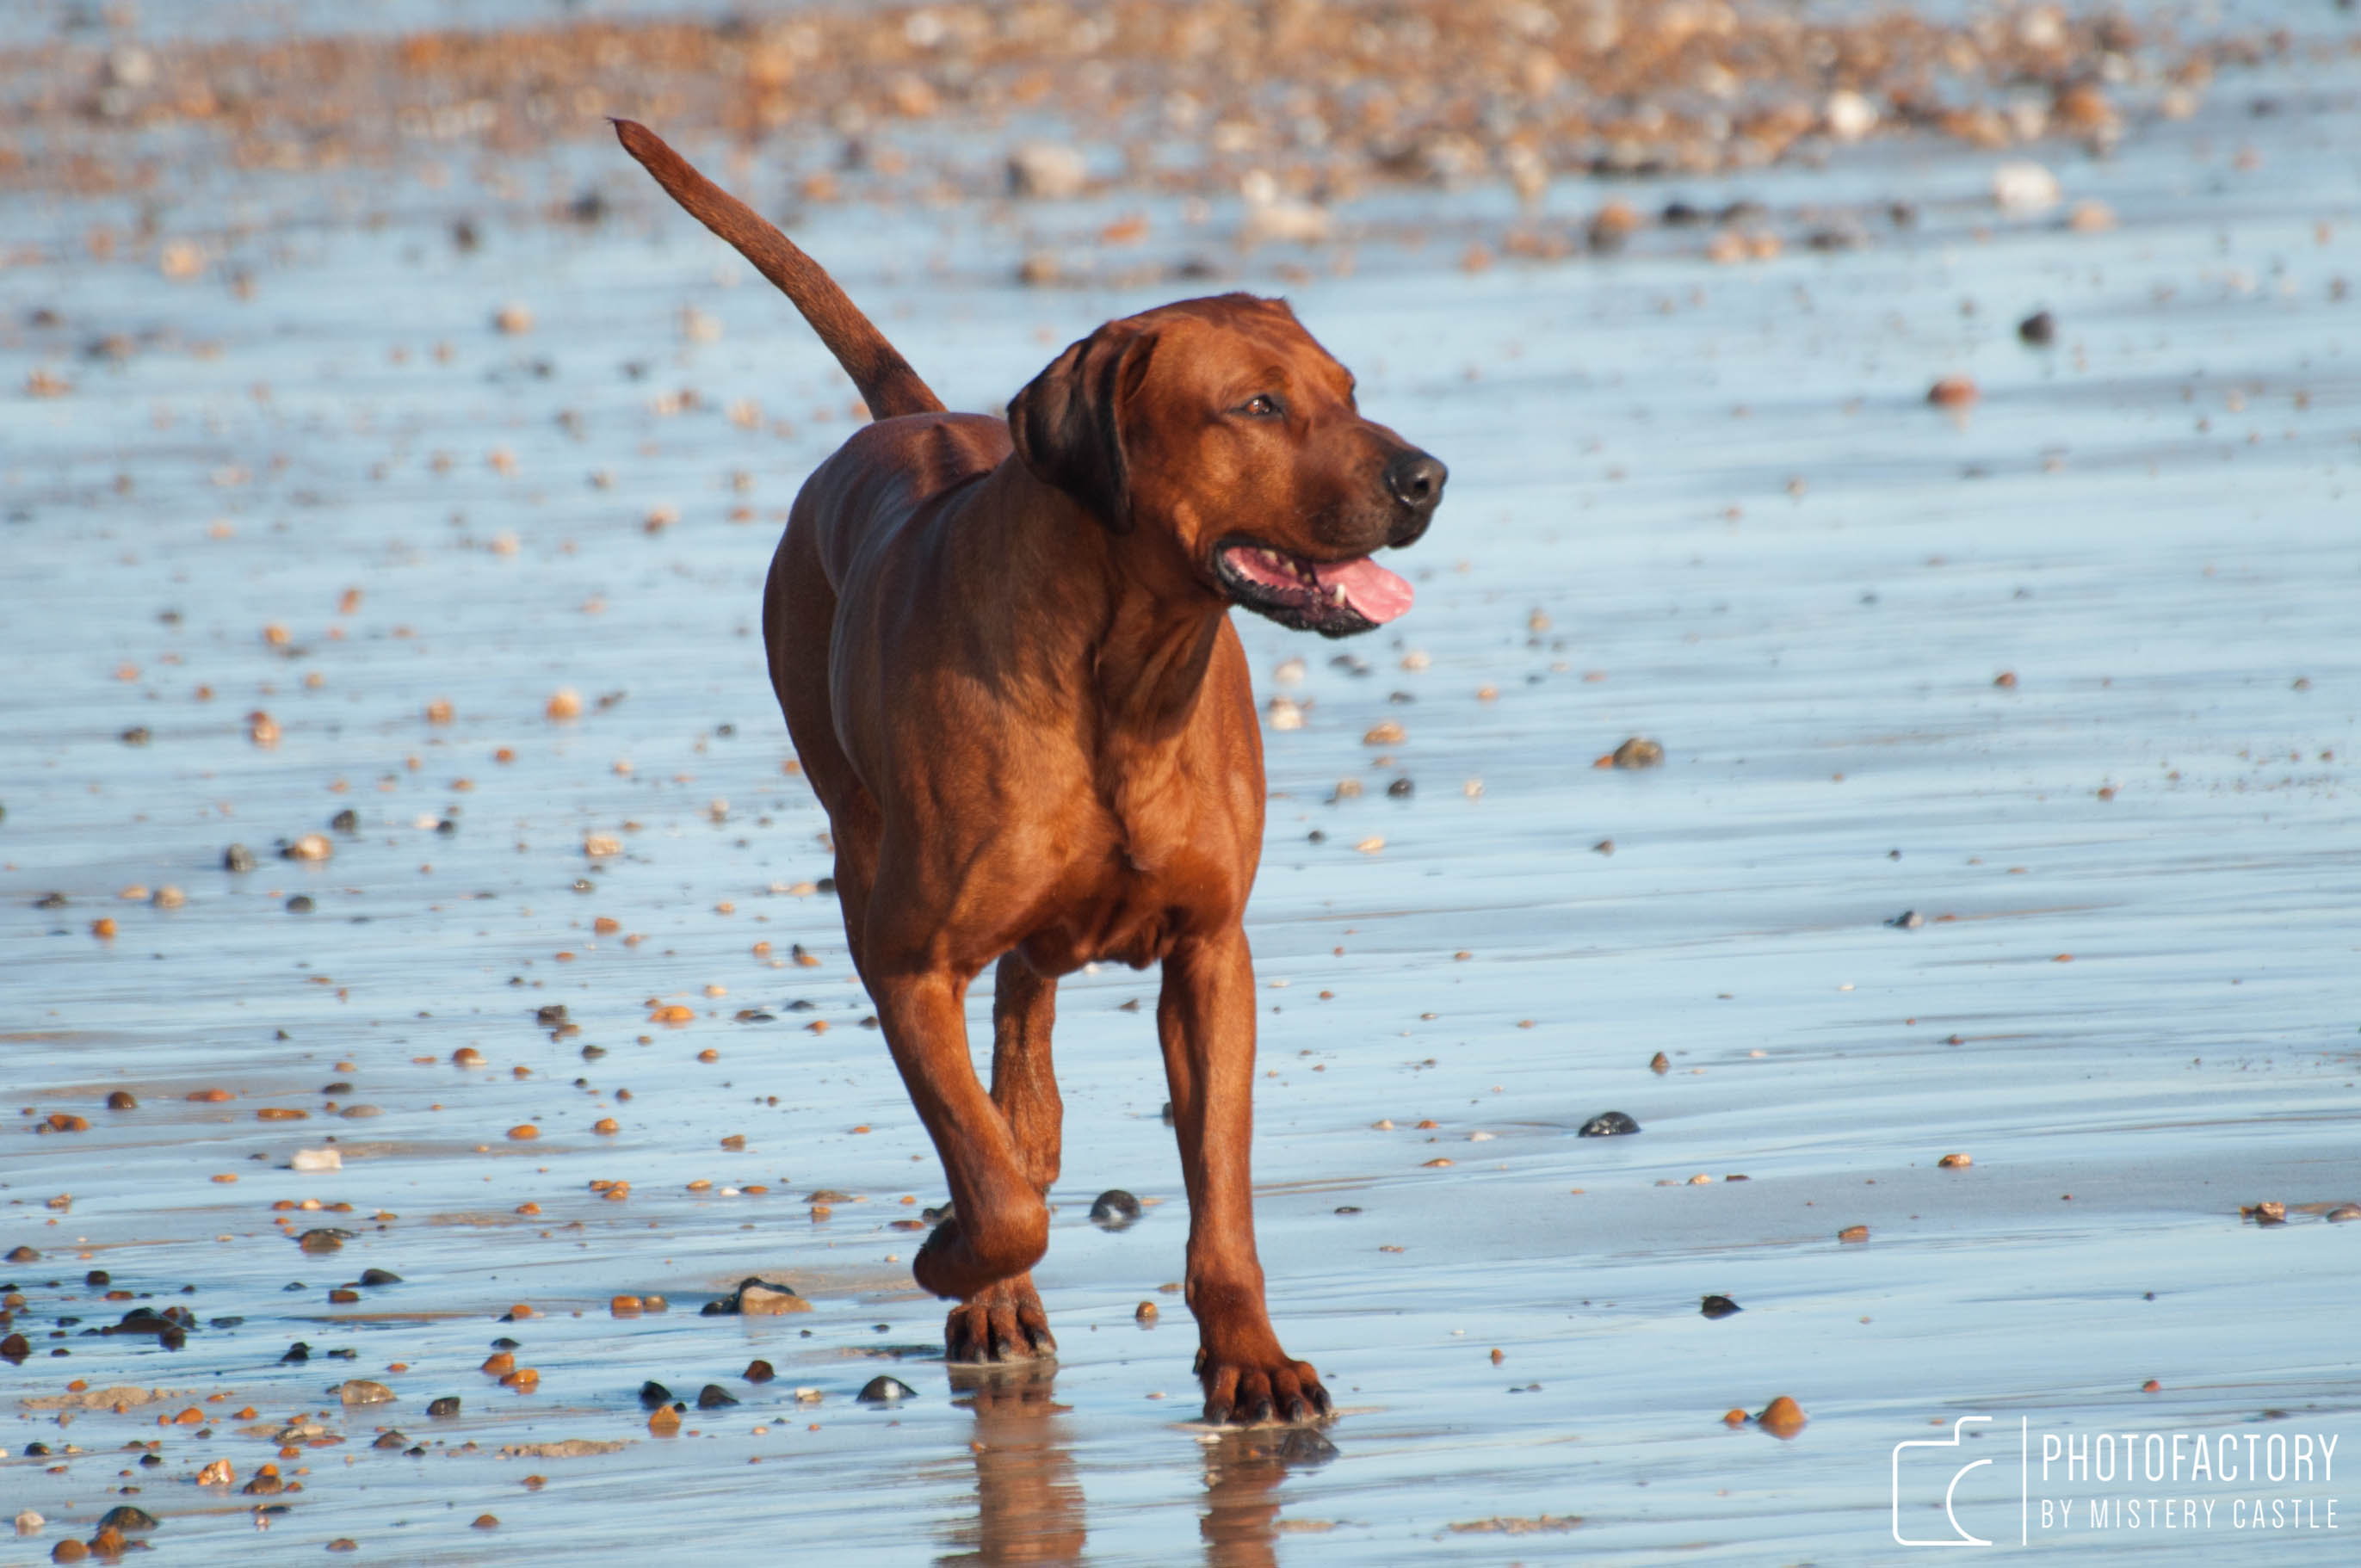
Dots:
{"x": 1005, "y": 653}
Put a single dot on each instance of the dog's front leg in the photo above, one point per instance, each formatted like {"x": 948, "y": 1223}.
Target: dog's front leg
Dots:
{"x": 999, "y": 1224}
{"x": 1206, "y": 1017}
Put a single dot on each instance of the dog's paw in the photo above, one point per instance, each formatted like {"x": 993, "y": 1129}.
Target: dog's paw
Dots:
{"x": 1248, "y": 1391}
{"x": 1003, "y": 1322}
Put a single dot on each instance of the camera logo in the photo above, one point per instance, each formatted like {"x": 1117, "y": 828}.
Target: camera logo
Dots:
{"x": 1961, "y": 1536}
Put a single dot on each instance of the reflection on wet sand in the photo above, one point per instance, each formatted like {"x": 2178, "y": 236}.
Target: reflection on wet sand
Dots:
{"x": 1242, "y": 1470}
{"x": 1028, "y": 1507}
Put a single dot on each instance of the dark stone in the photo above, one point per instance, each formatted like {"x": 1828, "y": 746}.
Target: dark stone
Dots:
{"x": 1908, "y": 920}
{"x": 14, "y": 1348}
{"x": 51, "y": 901}
{"x": 1609, "y": 1124}
{"x": 760, "y": 1372}
{"x": 504, "y": 1342}
{"x": 379, "y": 1277}
{"x": 1400, "y": 789}
{"x": 390, "y": 1439}
{"x": 654, "y": 1394}
{"x": 885, "y": 1391}
{"x": 326, "y": 1239}
{"x": 301, "y": 905}
{"x": 297, "y": 1354}
{"x": 346, "y": 821}
{"x": 445, "y": 1409}
{"x": 2039, "y": 330}
{"x": 137, "y": 735}
{"x": 127, "y": 1518}
{"x": 1113, "y": 1209}
{"x": 551, "y": 1016}
{"x": 713, "y": 1397}
{"x": 237, "y": 858}
{"x": 98, "y": 1276}
{"x": 1719, "y": 1307}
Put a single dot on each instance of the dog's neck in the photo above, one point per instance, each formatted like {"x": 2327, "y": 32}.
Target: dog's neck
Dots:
{"x": 1135, "y": 629}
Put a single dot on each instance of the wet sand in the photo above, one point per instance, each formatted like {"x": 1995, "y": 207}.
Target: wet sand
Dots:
{"x": 303, "y": 471}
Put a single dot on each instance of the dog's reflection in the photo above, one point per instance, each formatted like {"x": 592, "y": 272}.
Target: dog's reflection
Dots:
{"x": 1242, "y": 1470}
{"x": 1029, "y": 1503}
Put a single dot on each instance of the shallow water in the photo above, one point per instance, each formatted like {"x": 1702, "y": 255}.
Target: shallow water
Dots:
{"x": 2151, "y": 525}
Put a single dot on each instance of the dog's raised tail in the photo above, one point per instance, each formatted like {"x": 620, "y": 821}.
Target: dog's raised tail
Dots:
{"x": 887, "y": 383}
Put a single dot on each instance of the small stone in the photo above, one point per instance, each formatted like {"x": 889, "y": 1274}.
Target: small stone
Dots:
{"x": 1954, "y": 1162}
{"x": 2269, "y": 1212}
{"x": 390, "y": 1439}
{"x": 445, "y": 1409}
{"x": 372, "y": 1278}
{"x": 328, "y": 1240}
{"x": 759, "y": 1372}
{"x": 664, "y": 1421}
{"x": 1637, "y": 752}
{"x": 217, "y": 1473}
{"x": 714, "y": 1396}
{"x": 1853, "y": 1234}
{"x": 1660, "y": 1064}
{"x": 884, "y": 1390}
{"x": 1908, "y": 920}
{"x": 1717, "y": 1307}
{"x": 1113, "y": 1209}
{"x": 343, "y": 1543}
{"x": 2039, "y": 330}
{"x": 626, "y": 1306}
{"x": 1954, "y": 392}
{"x": 1782, "y": 1417}
{"x": 23, "y": 1255}
{"x": 2342, "y": 1214}
{"x": 69, "y": 1551}
{"x": 1145, "y": 1313}
{"x": 1609, "y": 1124}
{"x": 485, "y": 1521}
{"x": 762, "y": 1299}
{"x": 309, "y": 847}
{"x": 122, "y": 1100}
{"x": 127, "y": 1518}
{"x": 317, "y": 1160}
{"x": 1047, "y": 172}
{"x": 361, "y": 1391}
{"x": 29, "y": 1523}
{"x": 237, "y": 858}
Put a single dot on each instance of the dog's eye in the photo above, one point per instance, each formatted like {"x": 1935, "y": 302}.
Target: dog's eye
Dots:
{"x": 1262, "y": 405}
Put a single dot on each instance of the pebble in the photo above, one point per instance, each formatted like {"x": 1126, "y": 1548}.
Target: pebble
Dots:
{"x": 445, "y": 1409}
{"x": 376, "y": 1276}
{"x": 327, "y": 1240}
{"x": 1954, "y": 1162}
{"x": 127, "y": 1518}
{"x": 1609, "y": 1124}
{"x": 1637, "y": 752}
{"x": 237, "y": 858}
{"x": 1782, "y": 1417}
{"x": 1047, "y": 172}
{"x": 1660, "y": 1064}
{"x": 1853, "y": 1234}
{"x": 714, "y": 1396}
{"x": 759, "y": 1372}
{"x": 2269, "y": 1212}
{"x": 361, "y": 1391}
{"x": 1113, "y": 1209}
{"x": 664, "y": 1421}
{"x": 390, "y": 1439}
{"x": 317, "y": 1160}
{"x": 122, "y": 1100}
{"x": 29, "y": 1523}
{"x": 485, "y": 1521}
{"x": 1145, "y": 1313}
{"x": 2025, "y": 189}
{"x": 883, "y": 1390}
{"x": 1954, "y": 392}
{"x": 1718, "y": 1307}
{"x": 2342, "y": 1212}
{"x": 2039, "y": 330}
{"x": 217, "y": 1473}
{"x": 757, "y": 1298}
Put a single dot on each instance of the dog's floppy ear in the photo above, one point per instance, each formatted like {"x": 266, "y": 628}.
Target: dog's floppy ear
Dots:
{"x": 1069, "y": 423}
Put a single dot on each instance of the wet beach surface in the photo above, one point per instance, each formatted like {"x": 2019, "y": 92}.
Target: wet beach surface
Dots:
{"x": 2005, "y": 808}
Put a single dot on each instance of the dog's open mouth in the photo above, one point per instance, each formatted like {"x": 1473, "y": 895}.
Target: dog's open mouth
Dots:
{"x": 1335, "y": 599}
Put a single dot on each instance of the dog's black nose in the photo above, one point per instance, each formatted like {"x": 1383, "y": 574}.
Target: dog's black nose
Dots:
{"x": 1416, "y": 479}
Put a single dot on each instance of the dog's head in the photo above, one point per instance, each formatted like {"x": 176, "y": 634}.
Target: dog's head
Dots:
{"x": 1219, "y": 426}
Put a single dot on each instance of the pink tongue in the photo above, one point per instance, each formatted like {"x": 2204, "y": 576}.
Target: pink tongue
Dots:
{"x": 1368, "y": 587}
